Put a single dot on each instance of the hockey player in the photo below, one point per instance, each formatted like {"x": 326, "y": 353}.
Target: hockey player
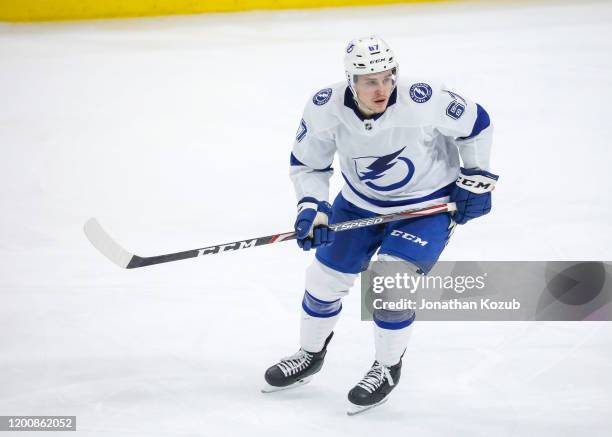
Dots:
{"x": 400, "y": 146}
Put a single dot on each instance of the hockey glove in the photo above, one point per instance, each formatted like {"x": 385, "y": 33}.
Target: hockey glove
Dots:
{"x": 311, "y": 224}
{"x": 472, "y": 194}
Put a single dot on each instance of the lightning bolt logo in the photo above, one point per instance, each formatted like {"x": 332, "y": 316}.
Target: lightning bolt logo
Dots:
{"x": 379, "y": 168}
{"x": 420, "y": 92}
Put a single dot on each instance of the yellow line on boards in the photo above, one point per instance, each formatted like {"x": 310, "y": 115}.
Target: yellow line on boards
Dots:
{"x": 50, "y": 10}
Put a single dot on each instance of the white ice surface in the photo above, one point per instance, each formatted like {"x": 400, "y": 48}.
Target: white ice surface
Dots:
{"x": 175, "y": 133}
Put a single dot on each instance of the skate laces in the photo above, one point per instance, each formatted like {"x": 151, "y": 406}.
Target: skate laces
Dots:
{"x": 375, "y": 377}
{"x": 295, "y": 363}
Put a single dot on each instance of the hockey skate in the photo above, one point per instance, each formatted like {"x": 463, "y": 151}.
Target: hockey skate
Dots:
{"x": 295, "y": 370}
{"x": 373, "y": 390}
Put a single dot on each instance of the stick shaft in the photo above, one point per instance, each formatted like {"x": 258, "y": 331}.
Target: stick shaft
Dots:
{"x": 105, "y": 244}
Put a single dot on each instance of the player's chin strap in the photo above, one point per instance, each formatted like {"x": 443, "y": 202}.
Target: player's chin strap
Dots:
{"x": 367, "y": 112}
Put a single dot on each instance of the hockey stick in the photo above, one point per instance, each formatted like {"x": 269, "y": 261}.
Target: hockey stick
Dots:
{"x": 124, "y": 259}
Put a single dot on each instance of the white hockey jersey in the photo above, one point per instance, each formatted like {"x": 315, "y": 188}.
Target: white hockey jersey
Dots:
{"x": 406, "y": 157}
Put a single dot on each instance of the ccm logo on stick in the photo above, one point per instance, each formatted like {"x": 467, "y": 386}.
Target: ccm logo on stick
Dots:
{"x": 227, "y": 247}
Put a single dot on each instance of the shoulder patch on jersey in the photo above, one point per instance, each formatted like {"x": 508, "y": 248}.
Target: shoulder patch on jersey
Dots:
{"x": 301, "y": 133}
{"x": 420, "y": 92}
{"x": 322, "y": 97}
{"x": 456, "y": 108}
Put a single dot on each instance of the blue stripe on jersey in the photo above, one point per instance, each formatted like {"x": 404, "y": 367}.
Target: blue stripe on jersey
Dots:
{"x": 296, "y": 162}
{"x": 482, "y": 122}
{"x": 442, "y": 192}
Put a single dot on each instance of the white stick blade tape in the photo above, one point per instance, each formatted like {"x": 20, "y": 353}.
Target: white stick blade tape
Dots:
{"x": 105, "y": 244}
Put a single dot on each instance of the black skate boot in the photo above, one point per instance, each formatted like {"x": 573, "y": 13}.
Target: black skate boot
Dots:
{"x": 374, "y": 388}
{"x": 295, "y": 370}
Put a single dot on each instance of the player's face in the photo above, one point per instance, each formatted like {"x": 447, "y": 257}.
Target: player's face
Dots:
{"x": 373, "y": 90}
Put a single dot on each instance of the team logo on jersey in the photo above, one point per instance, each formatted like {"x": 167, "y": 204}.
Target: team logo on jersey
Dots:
{"x": 456, "y": 108}
{"x": 322, "y": 97}
{"x": 301, "y": 133}
{"x": 390, "y": 171}
{"x": 420, "y": 92}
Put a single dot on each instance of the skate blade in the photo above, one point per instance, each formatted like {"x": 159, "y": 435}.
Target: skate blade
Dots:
{"x": 358, "y": 409}
{"x": 271, "y": 389}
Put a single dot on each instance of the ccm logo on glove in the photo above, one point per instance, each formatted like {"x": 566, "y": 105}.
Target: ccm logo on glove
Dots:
{"x": 478, "y": 184}
{"x": 472, "y": 194}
